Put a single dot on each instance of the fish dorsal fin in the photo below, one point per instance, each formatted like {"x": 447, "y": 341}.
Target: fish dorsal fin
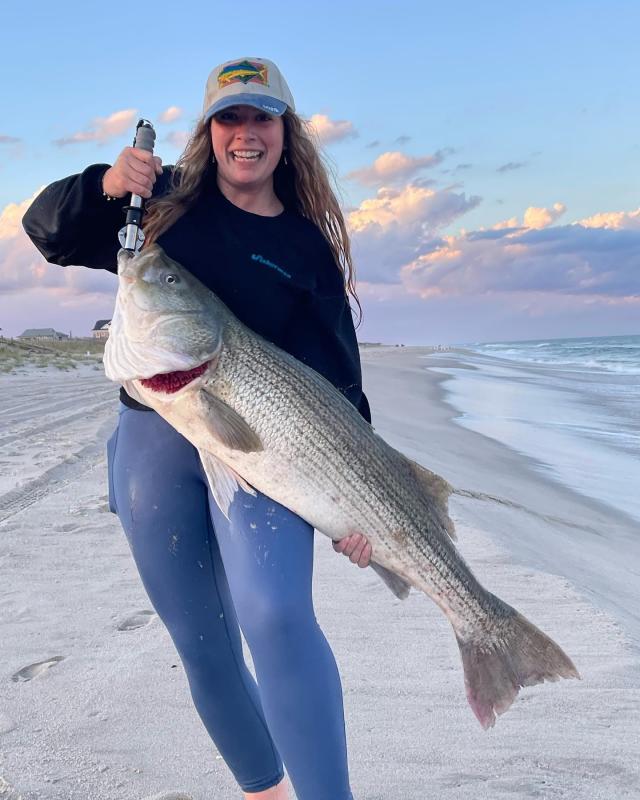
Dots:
{"x": 398, "y": 585}
{"x": 223, "y": 481}
{"x": 438, "y": 491}
{"x": 226, "y": 425}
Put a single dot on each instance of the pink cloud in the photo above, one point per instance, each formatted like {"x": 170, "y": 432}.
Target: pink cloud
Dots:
{"x": 616, "y": 220}
{"x": 101, "y": 129}
{"x": 570, "y": 259}
{"x": 170, "y": 114}
{"x": 328, "y": 130}
{"x": 394, "y": 166}
{"x": 390, "y": 229}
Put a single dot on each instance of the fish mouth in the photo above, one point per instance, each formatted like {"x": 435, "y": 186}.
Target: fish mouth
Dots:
{"x": 171, "y": 382}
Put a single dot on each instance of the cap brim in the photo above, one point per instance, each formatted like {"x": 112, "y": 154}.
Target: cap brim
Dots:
{"x": 270, "y": 105}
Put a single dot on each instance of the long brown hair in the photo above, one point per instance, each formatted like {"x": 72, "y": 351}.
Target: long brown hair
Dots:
{"x": 301, "y": 185}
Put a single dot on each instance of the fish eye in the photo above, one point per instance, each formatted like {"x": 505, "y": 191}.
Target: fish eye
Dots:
{"x": 171, "y": 278}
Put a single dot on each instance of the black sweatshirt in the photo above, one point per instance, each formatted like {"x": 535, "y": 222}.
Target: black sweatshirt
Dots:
{"x": 276, "y": 274}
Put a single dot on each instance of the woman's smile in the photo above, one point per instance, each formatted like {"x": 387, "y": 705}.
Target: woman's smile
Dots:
{"x": 246, "y": 155}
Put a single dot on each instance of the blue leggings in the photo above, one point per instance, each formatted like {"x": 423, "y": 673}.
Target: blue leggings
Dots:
{"x": 207, "y": 577}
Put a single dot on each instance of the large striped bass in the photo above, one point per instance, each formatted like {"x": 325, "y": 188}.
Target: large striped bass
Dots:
{"x": 261, "y": 419}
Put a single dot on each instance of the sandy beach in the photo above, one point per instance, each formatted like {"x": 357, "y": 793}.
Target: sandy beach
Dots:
{"x": 94, "y": 704}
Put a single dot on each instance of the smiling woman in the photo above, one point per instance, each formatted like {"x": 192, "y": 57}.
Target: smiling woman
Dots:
{"x": 249, "y": 211}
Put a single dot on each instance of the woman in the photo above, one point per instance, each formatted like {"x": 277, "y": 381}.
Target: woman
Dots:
{"x": 248, "y": 209}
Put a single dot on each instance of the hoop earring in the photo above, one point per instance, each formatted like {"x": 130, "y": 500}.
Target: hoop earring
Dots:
{"x": 213, "y": 159}
{"x": 285, "y": 159}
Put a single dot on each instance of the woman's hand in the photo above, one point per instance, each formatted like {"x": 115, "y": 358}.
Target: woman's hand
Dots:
{"x": 356, "y": 547}
{"x": 135, "y": 171}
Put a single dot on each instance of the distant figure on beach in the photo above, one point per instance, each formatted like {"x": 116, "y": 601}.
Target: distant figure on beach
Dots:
{"x": 248, "y": 209}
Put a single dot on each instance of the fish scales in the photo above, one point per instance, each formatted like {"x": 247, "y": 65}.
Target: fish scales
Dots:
{"x": 262, "y": 419}
{"x": 244, "y": 365}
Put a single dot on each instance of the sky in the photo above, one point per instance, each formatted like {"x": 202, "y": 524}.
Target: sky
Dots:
{"x": 487, "y": 156}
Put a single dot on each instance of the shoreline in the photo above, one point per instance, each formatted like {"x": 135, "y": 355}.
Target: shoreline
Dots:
{"x": 581, "y": 538}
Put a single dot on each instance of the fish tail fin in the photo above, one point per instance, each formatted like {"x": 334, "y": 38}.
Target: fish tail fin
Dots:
{"x": 494, "y": 674}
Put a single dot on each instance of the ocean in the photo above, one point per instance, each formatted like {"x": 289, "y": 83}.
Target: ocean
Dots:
{"x": 572, "y": 405}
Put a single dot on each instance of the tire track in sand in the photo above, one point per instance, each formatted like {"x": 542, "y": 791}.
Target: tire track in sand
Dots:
{"x": 57, "y": 477}
{"x": 39, "y": 406}
{"x": 56, "y": 423}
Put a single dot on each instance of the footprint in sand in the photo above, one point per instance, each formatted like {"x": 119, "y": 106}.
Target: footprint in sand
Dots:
{"x": 68, "y": 527}
{"x": 136, "y": 620}
{"x": 32, "y": 671}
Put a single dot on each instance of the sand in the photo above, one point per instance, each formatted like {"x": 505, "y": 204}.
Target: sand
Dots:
{"x": 93, "y": 700}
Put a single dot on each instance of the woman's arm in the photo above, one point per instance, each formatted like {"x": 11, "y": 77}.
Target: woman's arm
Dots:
{"x": 73, "y": 222}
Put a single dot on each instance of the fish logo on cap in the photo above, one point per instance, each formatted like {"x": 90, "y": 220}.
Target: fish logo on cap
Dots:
{"x": 243, "y": 72}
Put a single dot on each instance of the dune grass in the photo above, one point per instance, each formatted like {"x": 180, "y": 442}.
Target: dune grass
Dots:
{"x": 66, "y": 355}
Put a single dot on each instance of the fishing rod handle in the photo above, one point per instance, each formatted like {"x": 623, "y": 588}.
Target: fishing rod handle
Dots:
{"x": 144, "y": 140}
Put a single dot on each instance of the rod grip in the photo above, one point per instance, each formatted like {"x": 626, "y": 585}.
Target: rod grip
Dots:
{"x": 145, "y": 137}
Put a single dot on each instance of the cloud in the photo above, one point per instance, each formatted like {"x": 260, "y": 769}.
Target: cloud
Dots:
{"x": 613, "y": 219}
{"x": 543, "y": 217}
{"x": 511, "y": 165}
{"x": 102, "y": 129}
{"x": 573, "y": 259}
{"x": 170, "y": 114}
{"x": 374, "y": 143}
{"x": 329, "y": 130}
{"x": 394, "y": 227}
{"x": 534, "y": 217}
{"x": 9, "y": 139}
{"x": 178, "y": 139}
{"x": 408, "y": 205}
{"x": 404, "y": 139}
{"x": 393, "y": 166}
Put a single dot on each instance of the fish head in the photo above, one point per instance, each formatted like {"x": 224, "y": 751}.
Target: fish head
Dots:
{"x": 164, "y": 320}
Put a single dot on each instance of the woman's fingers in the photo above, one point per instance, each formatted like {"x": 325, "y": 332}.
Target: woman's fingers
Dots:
{"x": 356, "y": 547}
{"x": 141, "y": 170}
{"x": 135, "y": 171}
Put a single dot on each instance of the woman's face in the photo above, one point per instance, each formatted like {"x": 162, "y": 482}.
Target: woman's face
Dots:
{"x": 247, "y": 144}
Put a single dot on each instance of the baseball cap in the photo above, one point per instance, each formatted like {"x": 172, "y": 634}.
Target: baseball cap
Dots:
{"x": 248, "y": 82}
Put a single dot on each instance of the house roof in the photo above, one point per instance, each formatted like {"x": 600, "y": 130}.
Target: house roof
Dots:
{"x": 33, "y": 332}
{"x": 101, "y": 324}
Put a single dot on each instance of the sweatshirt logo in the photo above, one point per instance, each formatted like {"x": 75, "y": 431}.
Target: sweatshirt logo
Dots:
{"x": 262, "y": 260}
{"x": 243, "y": 72}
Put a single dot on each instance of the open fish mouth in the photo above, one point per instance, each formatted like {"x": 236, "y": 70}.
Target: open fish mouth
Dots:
{"x": 170, "y": 382}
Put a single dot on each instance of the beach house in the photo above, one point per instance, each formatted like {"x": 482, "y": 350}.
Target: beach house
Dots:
{"x": 101, "y": 329}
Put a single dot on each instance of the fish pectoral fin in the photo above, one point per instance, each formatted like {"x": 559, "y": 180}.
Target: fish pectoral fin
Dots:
{"x": 438, "y": 491}
{"x": 398, "y": 585}
{"x": 226, "y": 425}
{"x": 223, "y": 480}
